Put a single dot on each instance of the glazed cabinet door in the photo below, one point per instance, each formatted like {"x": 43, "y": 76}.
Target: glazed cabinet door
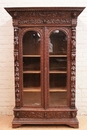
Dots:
{"x": 32, "y": 67}
{"x": 45, "y": 67}
{"x": 58, "y": 46}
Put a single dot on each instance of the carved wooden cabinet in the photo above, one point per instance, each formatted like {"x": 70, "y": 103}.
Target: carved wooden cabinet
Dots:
{"x": 45, "y": 66}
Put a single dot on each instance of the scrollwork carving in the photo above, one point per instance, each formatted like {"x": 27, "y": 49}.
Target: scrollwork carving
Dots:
{"x": 32, "y": 114}
{"x": 45, "y": 115}
{"x": 44, "y": 17}
{"x": 64, "y": 114}
{"x": 45, "y": 21}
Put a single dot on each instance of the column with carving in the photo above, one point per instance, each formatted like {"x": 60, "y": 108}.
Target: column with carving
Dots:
{"x": 73, "y": 66}
{"x": 16, "y": 66}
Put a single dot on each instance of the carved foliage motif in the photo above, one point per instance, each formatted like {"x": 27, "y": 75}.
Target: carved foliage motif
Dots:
{"x": 73, "y": 66}
{"x": 46, "y": 115}
{"x": 16, "y": 64}
{"x": 29, "y": 114}
{"x": 44, "y": 17}
{"x": 60, "y": 114}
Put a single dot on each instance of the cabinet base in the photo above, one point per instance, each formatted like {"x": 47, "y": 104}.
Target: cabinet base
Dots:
{"x": 72, "y": 122}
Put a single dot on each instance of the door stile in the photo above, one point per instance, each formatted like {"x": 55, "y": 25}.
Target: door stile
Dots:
{"x": 46, "y": 69}
{"x": 42, "y": 50}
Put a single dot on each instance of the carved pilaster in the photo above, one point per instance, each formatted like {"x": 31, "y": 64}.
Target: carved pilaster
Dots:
{"x": 73, "y": 66}
{"x": 16, "y": 66}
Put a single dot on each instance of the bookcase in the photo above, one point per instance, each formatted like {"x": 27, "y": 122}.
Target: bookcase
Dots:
{"x": 45, "y": 65}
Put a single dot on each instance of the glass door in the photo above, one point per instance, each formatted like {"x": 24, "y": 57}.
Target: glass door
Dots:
{"x": 57, "y": 68}
{"x": 45, "y": 66}
{"x": 32, "y": 69}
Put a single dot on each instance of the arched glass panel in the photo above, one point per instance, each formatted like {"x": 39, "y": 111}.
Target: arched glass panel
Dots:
{"x": 31, "y": 43}
{"x": 57, "y": 68}
{"x": 57, "y": 42}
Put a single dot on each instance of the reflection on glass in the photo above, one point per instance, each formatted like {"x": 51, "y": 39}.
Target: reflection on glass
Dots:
{"x": 32, "y": 98}
{"x": 32, "y": 91}
{"x": 31, "y": 43}
{"x": 57, "y": 42}
{"x": 31, "y": 80}
{"x": 57, "y": 63}
{"x": 31, "y": 63}
{"x": 58, "y": 80}
{"x": 58, "y": 68}
{"x": 31, "y": 69}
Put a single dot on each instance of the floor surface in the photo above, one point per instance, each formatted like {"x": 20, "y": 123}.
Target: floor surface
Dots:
{"x": 5, "y": 124}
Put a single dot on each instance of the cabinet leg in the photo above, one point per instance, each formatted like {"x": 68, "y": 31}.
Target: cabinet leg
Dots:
{"x": 16, "y": 125}
{"x": 74, "y": 125}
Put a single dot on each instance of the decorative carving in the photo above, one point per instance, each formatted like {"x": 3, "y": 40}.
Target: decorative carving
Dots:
{"x": 15, "y": 15}
{"x": 73, "y": 66}
{"x": 73, "y": 114}
{"x": 17, "y": 114}
{"x": 46, "y": 115}
{"x": 45, "y": 21}
{"x": 31, "y": 114}
{"x": 43, "y": 14}
{"x": 57, "y": 114}
{"x": 16, "y": 64}
{"x": 44, "y": 17}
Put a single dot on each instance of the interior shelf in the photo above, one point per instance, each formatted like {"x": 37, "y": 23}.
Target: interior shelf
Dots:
{"x": 58, "y": 89}
{"x": 31, "y": 56}
{"x": 58, "y": 72}
{"x": 32, "y": 89}
{"x": 57, "y": 55}
{"x": 31, "y": 72}
{"x": 38, "y": 89}
{"x": 40, "y": 55}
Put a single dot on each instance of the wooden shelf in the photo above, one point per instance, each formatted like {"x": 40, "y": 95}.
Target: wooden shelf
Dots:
{"x": 49, "y": 56}
{"x": 38, "y": 89}
{"x": 32, "y": 89}
{"x": 57, "y": 55}
{"x": 31, "y": 72}
{"x": 31, "y": 56}
{"x": 58, "y": 89}
{"x": 57, "y": 72}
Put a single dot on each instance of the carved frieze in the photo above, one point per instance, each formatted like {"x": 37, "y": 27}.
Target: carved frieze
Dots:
{"x": 43, "y": 14}
{"x": 45, "y": 21}
{"x": 46, "y": 115}
{"x": 30, "y": 114}
{"x": 43, "y": 17}
{"x": 58, "y": 114}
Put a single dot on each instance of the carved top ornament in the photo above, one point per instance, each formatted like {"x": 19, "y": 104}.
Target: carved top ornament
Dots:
{"x": 45, "y": 15}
